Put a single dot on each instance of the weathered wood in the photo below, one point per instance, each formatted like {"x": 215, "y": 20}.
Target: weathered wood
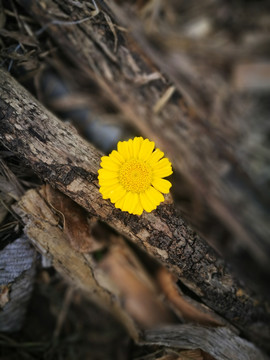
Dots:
{"x": 42, "y": 228}
{"x": 221, "y": 343}
{"x": 63, "y": 159}
{"x": 17, "y": 271}
{"x": 118, "y": 279}
{"x": 216, "y": 155}
{"x": 98, "y": 282}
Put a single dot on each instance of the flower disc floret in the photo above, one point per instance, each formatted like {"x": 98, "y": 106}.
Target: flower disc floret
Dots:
{"x": 132, "y": 176}
{"x": 135, "y": 175}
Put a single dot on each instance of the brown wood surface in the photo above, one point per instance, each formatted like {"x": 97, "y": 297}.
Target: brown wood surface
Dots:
{"x": 63, "y": 159}
{"x": 17, "y": 273}
{"x": 221, "y": 343}
{"x": 42, "y": 229}
{"x": 222, "y": 154}
{"x": 141, "y": 310}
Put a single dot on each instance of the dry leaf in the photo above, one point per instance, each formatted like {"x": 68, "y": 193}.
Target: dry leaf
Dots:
{"x": 137, "y": 290}
{"x": 184, "y": 308}
{"x": 77, "y": 225}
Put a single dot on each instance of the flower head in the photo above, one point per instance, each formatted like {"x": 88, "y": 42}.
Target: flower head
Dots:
{"x": 132, "y": 176}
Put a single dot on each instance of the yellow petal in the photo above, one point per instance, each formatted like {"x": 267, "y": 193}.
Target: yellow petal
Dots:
{"x": 138, "y": 209}
{"x": 162, "y": 185}
{"x": 146, "y": 149}
{"x": 135, "y": 200}
{"x": 155, "y": 196}
{"x": 119, "y": 204}
{"x": 163, "y": 172}
{"x": 109, "y": 164}
{"x": 117, "y": 194}
{"x": 106, "y": 190}
{"x": 155, "y": 156}
{"x": 128, "y": 203}
{"x": 162, "y": 168}
{"x": 146, "y": 203}
{"x": 116, "y": 157}
{"x": 104, "y": 195}
{"x": 108, "y": 182}
{"x": 107, "y": 174}
{"x": 162, "y": 164}
{"x": 131, "y": 201}
{"x": 103, "y": 157}
{"x": 137, "y": 143}
{"x": 130, "y": 148}
{"x": 122, "y": 148}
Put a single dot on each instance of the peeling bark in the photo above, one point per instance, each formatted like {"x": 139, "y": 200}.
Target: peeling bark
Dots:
{"x": 213, "y": 151}
{"x": 221, "y": 343}
{"x": 60, "y": 157}
{"x": 17, "y": 271}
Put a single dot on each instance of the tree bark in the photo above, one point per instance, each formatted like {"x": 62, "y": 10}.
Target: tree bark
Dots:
{"x": 63, "y": 159}
{"x": 215, "y": 154}
{"x": 146, "y": 323}
{"x": 221, "y": 343}
{"x": 42, "y": 229}
{"x": 17, "y": 272}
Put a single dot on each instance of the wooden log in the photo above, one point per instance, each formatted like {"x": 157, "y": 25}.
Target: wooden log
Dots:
{"x": 63, "y": 159}
{"x": 215, "y": 154}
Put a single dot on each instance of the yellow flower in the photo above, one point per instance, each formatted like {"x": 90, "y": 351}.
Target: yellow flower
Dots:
{"x": 132, "y": 177}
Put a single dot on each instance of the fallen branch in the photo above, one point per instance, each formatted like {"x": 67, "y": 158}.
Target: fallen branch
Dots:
{"x": 214, "y": 150}
{"x": 63, "y": 159}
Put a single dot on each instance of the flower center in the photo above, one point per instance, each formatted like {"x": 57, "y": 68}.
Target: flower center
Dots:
{"x": 135, "y": 175}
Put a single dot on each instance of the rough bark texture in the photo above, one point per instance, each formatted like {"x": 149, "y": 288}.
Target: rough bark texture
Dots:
{"x": 95, "y": 279}
{"x": 43, "y": 230}
{"x": 221, "y": 343}
{"x": 217, "y": 153}
{"x": 59, "y": 156}
{"x": 17, "y": 271}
